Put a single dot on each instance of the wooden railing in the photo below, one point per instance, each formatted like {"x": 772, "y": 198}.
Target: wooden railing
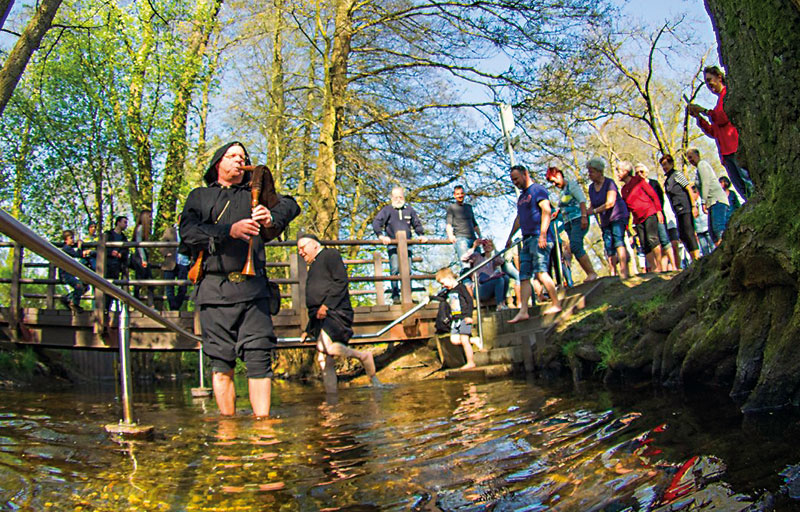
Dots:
{"x": 291, "y": 279}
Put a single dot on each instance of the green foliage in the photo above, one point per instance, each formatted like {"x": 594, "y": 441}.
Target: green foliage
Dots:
{"x": 18, "y": 362}
{"x": 608, "y": 351}
{"x": 569, "y": 348}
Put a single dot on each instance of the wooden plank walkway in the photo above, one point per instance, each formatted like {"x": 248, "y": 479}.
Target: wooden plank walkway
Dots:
{"x": 61, "y": 328}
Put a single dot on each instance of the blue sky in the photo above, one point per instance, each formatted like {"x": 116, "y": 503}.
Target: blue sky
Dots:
{"x": 649, "y": 12}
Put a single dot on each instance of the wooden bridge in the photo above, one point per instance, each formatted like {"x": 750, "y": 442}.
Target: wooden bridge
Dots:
{"x": 32, "y": 315}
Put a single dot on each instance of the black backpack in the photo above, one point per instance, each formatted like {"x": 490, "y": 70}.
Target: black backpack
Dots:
{"x": 444, "y": 317}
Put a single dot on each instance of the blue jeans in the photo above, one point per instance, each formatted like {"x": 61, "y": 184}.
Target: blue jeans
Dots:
{"x": 576, "y": 233}
{"x": 394, "y": 270}
{"x": 718, "y": 219}
{"x": 706, "y": 244}
{"x": 77, "y": 288}
{"x": 180, "y": 272}
{"x": 613, "y": 237}
{"x": 497, "y": 288}
{"x": 740, "y": 178}
{"x": 532, "y": 259}
{"x": 462, "y": 245}
{"x": 510, "y": 270}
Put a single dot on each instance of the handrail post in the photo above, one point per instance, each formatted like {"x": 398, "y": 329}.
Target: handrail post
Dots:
{"x": 404, "y": 266}
{"x": 377, "y": 259}
{"x": 99, "y": 296}
{"x": 15, "y": 294}
{"x": 476, "y": 287}
{"x": 49, "y": 301}
{"x": 125, "y": 363}
{"x": 127, "y": 428}
{"x": 201, "y": 391}
{"x": 302, "y": 274}
{"x": 295, "y": 287}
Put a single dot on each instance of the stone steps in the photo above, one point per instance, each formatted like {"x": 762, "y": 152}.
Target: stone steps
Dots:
{"x": 482, "y": 372}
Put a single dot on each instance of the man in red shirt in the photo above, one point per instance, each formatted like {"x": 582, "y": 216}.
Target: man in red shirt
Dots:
{"x": 645, "y": 208}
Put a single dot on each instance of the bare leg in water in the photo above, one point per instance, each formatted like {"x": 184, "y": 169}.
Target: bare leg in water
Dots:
{"x": 328, "y": 348}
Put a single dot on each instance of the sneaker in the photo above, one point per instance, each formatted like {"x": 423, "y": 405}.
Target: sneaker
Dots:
{"x": 502, "y": 307}
{"x": 397, "y": 300}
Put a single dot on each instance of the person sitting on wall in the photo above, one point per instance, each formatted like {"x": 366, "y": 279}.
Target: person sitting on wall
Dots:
{"x": 72, "y": 300}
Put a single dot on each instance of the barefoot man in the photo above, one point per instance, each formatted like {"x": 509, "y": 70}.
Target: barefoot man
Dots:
{"x": 330, "y": 315}
{"x": 533, "y": 218}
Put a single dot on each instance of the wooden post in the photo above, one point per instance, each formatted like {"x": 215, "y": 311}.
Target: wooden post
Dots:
{"x": 51, "y": 288}
{"x": 15, "y": 295}
{"x": 99, "y": 296}
{"x": 377, "y": 259}
{"x": 404, "y": 266}
{"x": 302, "y": 274}
{"x": 295, "y": 288}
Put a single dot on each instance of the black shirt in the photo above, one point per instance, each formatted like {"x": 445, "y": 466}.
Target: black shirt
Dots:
{"x": 206, "y": 223}
{"x": 327, "y": 282}
{"x": 657, "y": 187}
{"x": 462, "y": 219}
{"x": 460, "y": 302}
{"x": 113, "y": 236}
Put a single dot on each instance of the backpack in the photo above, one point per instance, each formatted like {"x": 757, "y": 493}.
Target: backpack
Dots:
{"x": 444, "y": 317}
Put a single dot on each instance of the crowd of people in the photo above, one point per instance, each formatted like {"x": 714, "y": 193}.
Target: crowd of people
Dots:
{"x": 121, "y": 263}
{"x": 671, "y": 222}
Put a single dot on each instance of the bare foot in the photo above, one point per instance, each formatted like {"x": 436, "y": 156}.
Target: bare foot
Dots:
{"x": 552, "y": 310}
{"x": 369, "y": 364}
{"x": 467, "y": 366}
{"x": 375, "y": 382}
{"x": 591, "y": 277}
{"x": 521, "y": 317}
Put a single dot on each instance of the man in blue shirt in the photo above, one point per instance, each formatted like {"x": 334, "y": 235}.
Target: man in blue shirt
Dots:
{"x": 394, "y": 217}
{"x": 533, "y": 218}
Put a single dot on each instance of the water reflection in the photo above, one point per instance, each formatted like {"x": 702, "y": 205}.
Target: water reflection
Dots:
{"x": 436, "y": 445}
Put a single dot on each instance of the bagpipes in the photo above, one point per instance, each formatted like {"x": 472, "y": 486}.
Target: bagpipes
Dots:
{"x": 262, "y": 191}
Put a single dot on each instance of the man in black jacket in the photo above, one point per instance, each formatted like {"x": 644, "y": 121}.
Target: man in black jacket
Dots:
{"x": 73, "y": 299}
{"x": 330, "y": 314}
{"x": 116, "y": 257}
{"x": 234, "y": 308}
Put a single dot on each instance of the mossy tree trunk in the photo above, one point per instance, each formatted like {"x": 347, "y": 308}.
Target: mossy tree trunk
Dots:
{"x": 740, "y": 305}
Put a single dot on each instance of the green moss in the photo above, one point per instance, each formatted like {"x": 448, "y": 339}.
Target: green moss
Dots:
{"x": 569, "y": 348}
{"x": 609, "y": 353}
{"x": 20, "y": 362}
{"x": 653, "y": 303}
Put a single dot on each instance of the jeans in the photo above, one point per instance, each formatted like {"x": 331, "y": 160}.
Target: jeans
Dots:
{"x": 613, "y": 237}
{"x": 740, "y": 178}
{"x": 394, "y": 270}
{"x": 718, "y": 219}
{"x": 706, "y": 244}
{"x": 497, "y": 288}
{"x": 180, "y": 272}
{"x": 77, "y": 288}
{"x": 576, "y": 233}
{"x": 510, "y": 270}
{"x": 462, "y": 245}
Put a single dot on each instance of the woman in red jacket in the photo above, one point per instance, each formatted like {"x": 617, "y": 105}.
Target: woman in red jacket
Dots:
{"x": 718, "y": 127}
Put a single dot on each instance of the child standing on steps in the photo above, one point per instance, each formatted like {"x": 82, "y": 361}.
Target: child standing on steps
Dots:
{"x": 460, "y": 302}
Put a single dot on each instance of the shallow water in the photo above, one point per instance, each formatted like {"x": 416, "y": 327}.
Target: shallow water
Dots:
{"x": 437, "y": 445}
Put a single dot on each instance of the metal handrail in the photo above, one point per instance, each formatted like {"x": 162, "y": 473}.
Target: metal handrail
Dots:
{"x": 425, "y": 301}
{"x": 24, "y": 235}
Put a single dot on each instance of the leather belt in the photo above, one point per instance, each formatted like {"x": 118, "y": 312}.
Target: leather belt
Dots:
{"x": 236, "y": 277}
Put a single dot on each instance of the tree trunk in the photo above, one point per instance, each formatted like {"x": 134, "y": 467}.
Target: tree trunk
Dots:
{"x": 28, "y": 43}
{"x": 741, "y": 302}
{"x": 276, "y": 121}
{"x": 204, "y": 24}
{"x": 323, "y": 201}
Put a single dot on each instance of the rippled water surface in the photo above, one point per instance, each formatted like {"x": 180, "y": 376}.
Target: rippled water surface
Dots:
{"x": 438, "y": 445}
